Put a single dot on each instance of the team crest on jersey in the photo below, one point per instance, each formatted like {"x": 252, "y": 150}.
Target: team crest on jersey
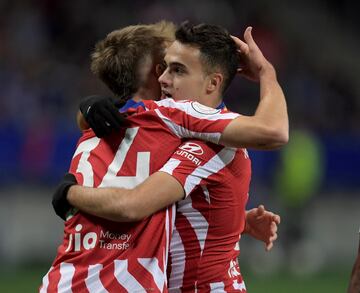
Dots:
{"x": 202, "y": 109}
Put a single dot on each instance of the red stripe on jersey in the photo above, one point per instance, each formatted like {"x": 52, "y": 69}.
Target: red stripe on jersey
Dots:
{"x": 73, "y": 166}
{"x": 54, "y": 278}
{"x": 214, "y": 214}
{"x": 187, "y": 234}
{"x": 102, "y": 156}
{"x": 108, "y": 280}
{"x": 78, "y": 283}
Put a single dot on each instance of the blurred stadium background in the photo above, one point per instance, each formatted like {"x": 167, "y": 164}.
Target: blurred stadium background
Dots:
{"x": 314, "y": 183}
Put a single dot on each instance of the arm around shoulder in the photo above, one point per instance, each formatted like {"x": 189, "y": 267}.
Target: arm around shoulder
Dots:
{"x": 128, "y": 205}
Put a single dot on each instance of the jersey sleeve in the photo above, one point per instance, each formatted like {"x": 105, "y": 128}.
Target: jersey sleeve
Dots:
{"x": 196, "y": 163}
{"x": 188, "y": 119}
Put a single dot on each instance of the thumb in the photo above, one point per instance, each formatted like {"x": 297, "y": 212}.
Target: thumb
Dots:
{"x": 248, "y": 36}
{"x": 260, "y": 210}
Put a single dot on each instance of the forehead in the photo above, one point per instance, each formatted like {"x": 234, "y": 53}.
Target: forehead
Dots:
{"x": 184, "y": 54}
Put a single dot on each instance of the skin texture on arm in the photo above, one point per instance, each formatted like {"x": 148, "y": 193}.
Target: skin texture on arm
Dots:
{"x": 269, "y": 127}
{"x": 128, "y": 205}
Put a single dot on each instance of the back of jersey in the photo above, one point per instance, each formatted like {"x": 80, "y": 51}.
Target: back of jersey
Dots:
{"x": 105, "y": 256}
{"x": 98, "y": 255}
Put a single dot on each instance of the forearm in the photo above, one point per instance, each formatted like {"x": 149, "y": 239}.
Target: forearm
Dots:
{"x": 107, "y": 203}
{"x": 269, "y": 127}
{"x": 272, "y": 110}
{"x": 127, "y": 205}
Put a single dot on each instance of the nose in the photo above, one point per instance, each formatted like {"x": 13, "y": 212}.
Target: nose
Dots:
{"x": 164, "y": 78}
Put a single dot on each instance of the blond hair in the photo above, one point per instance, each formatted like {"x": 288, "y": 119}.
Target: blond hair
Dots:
{"x": 117, "y": 59}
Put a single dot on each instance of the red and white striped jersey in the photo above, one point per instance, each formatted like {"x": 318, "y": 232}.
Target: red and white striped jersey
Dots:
{"x": 98, "y": 255}
{"x": 204, "y": 247}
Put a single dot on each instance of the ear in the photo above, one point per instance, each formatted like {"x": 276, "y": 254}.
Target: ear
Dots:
{"x": 214, "y": 83}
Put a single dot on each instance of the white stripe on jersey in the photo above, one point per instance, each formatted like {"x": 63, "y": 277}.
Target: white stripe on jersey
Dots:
{"x": 169, "y": 225}
{"x": 206, "y": 193}
{"x": 84, "y": 166}
{"x": 170, "y": 166}
{"x": 187, "y": 107}
{"x": 167, "y": 244}
{"x": 238, "y": 286}
{"x": 218, "y": 287}
{"x": 142, "y": 169}
{"x": 152, "y": 266}
{"x": 67, "y": 271}
{"x": 126, "y": 279}
{"x": 178, "y": 257}
{"x": 92, "y": 281}
{"x": 45, "y": 283}
{"x": 186, "y": 133}
{"x": 196, "y": 220}
{"x": 214, "y": 165}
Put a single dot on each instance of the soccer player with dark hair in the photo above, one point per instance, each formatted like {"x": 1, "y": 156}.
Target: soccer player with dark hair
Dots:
{"x": 215, "y": 189}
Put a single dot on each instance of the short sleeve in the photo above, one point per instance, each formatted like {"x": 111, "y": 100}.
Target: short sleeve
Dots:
{"x": 197, "y": 163}
{"x": 188, "y": 119}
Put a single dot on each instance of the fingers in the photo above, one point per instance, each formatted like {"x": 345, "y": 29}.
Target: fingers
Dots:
{"x": 273, "y": 228}
{"x": 276, "y": 219}
{"x": 250, "y": 40}
{"x": 242, "y": 46}
{"x": 269, "y": 246}
{"x": 248, "y": 36}
{"x": 260, "y": 210}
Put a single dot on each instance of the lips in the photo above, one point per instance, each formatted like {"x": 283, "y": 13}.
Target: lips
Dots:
{"x": 166, "y": 94}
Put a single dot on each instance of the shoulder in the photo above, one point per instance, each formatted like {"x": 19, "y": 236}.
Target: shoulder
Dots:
{"x": 192, "y": 108}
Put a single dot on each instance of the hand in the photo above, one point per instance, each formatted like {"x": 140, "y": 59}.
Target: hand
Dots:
{"x": 252, "y": 60}
{"x": 102, "y": 114}
{"x": 59, "y": 199}
{"x": 262, "y": 225}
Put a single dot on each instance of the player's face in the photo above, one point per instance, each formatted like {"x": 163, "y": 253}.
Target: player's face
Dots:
{"x": 184, "y": 77}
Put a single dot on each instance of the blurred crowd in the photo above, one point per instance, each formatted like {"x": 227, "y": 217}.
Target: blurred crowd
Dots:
{"x": 44, "y": 71}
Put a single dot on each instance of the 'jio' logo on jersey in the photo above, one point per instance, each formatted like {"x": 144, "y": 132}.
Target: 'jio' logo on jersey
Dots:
{"x": 87, "y": 242}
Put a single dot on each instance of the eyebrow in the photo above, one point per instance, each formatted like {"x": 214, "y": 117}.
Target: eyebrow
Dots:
{"x": 177, "y": 64}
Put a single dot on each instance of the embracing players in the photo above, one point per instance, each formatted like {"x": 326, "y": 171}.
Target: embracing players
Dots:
{"x": 137, "y": 253}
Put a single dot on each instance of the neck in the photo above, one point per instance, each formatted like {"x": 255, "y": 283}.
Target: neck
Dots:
{"x": 140, "y": 95}
{"x": 137, "y": 98}
{"x": 212, "y": 101}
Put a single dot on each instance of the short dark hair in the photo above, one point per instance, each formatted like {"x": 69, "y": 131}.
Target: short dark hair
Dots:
{"x": 218, "y": 50}
{"x": 117, "y": 59}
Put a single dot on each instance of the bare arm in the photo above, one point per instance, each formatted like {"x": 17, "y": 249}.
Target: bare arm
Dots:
{"x": 128, "y": 205}
{"x": 269, "y": 127}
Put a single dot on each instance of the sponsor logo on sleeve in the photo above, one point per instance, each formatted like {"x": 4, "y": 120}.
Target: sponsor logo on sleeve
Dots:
{"x": 192, "y": 148}
{"x": 189, "y": 151}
